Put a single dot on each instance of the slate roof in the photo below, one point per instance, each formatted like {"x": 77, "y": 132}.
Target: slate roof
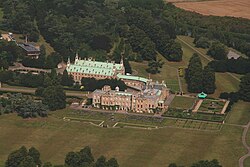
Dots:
{"x": 28, "y": 47}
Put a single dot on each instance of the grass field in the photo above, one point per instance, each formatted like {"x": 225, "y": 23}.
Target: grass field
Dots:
{"x": 132, "y": 147}
{"x": 240, "y": 113}
{"x": 247, "y": 162}
{"x": 239, "y": 8}
{"x": 182, "y": 102}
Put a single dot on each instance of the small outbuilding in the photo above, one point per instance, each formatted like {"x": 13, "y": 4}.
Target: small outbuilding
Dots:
{"x": 202, "y": 95}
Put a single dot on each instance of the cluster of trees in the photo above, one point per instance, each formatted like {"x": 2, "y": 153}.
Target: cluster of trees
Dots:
{"x": 85, "y": 158}
{"x": 203, "y": 163}
{"x": 199, "y": 79}
{"x": 52, "y": 92}
{"x": 145, "y": 31}
{"x": 91, "y": 84}
{"x": 24, "y": 158}
{"x": 31, "y": 158}
{"x": 239, "y": 66}
{"x": 218, "y": 51}
{"x": 19, "y": 18}
{"x": 49, "y": 87}
{"x": 244, "y": 91}
{"x": 36, "y": 80}
{"x": 24, "y": 106}
{"x": 94, "y": 25}
{"x": 153, "y": 66}
{"x": 9, "y": 53}
{"x": 202, "y": 42}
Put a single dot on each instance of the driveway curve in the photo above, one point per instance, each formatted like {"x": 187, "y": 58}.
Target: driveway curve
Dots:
{"x": 244, "y": 138}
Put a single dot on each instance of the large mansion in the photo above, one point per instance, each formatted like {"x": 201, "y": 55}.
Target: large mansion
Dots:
{"x": 152, "y": 97}
{"x": 89, "y": 68}
{"x": 143, "y": 94}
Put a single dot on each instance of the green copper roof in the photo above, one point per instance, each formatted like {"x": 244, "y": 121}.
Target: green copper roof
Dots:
{"x": 94, "y": 67}
{"x": 90, "y": 70}
{"x": 98, "y": 64}
{"x": 202, "y": 95}
{"x": 130, "y": 77}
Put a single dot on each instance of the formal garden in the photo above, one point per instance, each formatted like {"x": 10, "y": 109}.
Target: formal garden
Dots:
{"x": 118, "y": 120}
{"x": 212, "y": 106}
{"x": 207, "y": 110}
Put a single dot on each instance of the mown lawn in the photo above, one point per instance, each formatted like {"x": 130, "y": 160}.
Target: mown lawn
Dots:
{"x": 132, "y": 147}
{"x": 239, "y": 114}
{"x": 182, "y": 102}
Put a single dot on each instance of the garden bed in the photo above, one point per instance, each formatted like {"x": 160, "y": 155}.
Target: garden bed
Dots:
{"x": 211, "y": 106}
{"x": 180, "y": 113}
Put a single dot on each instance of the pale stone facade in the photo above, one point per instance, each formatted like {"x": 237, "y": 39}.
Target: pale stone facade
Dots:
{"x": 150, "y": 98}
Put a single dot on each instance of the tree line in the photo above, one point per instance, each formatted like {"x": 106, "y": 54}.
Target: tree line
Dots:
{"x": 24, "y": 157}
{"x": 202, "y": 163}
{"x": 199, "y": 79}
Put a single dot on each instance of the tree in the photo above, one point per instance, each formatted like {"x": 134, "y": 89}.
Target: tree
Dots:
{"x": 28, "y": 161}
{"x": 6, "y": 76}
{"x": 202, "y": 42}
{"x": 86, "y": 155}
{"x": 194, "y": 74}
{"x": 206, "y": 163}
{"x": 208, "y": 80}
{"x": 78, "y": 159}
{"x": 26, "y": 107}
{"x": 67, "y": 80}
{"x": 218, "y": 51}
{"x": 153, "y": 66}
{"x": 101, "y": 162}
{"x": 112, "y": 163}
{"x": 72, "y": 159}
{"x": 175, "y": 52}
{"x": 172, "y": 165}
{"x": 35, "y": 154}
{"x": 54, "y": 97}
{"x": 16, "y": 157}
{"x": 245, "y": 88}
{"x": 101, "y": 42}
